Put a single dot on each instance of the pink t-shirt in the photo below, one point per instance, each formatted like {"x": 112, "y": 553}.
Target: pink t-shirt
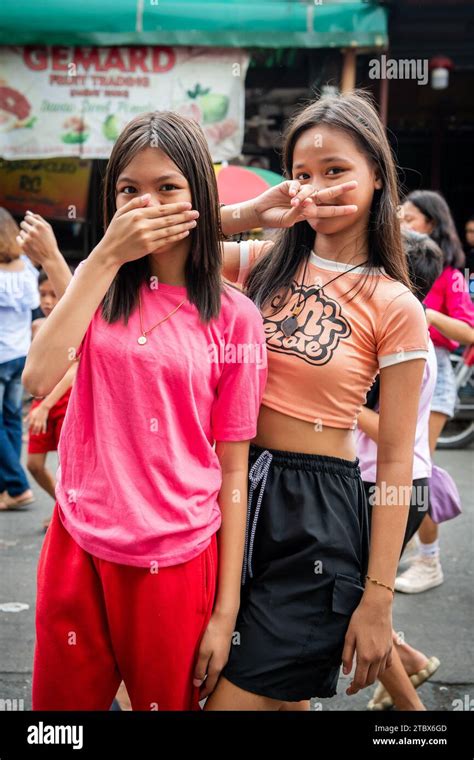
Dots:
{"x": 139, "y": 478}
{"x": 450, "y": 295}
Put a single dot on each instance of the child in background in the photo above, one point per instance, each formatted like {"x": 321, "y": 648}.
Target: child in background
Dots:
{"x": 425, "y": 265}
{"x": 18, "y": 296}
{"x": 46, "y": 415}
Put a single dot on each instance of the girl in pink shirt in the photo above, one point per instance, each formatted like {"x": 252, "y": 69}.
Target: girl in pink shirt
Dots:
{"x": 154, "y": 445}
{"x": 427, "y": 212}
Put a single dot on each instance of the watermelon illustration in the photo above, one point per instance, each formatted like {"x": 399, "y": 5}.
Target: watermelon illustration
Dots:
{"x": 15, "y": 109}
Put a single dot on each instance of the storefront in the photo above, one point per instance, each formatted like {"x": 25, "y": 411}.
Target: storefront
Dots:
{"x": 78, "y": 73}
{"x": 432, "y": 125}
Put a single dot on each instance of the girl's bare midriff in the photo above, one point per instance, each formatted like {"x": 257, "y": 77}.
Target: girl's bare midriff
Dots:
{"x": 279, "y": 431}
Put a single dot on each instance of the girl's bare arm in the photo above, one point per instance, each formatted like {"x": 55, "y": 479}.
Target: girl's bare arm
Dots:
{"x": 54, "y": 346}
{"x": 216, "y": 642}
{"x": 452, "y": 328}
{"x": 60, "y": 389}
{"x": 370, "y": 629}
{"x": 38, "y": 242}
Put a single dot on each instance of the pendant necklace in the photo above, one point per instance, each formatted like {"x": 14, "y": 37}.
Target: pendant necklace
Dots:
{"x": 290, "y": 323}
{"x": 143, "y": 339}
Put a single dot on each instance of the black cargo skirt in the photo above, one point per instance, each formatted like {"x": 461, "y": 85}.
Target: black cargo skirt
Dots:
{"x": 305, "y": 562}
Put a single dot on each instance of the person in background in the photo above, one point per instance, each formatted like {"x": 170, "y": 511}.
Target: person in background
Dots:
{"x": 37, "y": 240}
{"x": 18, "y": 296}
{"x": 427, "y": 212}
{"x": 451, "y": 328}
{"x": 469, "y": 251}
{"x": 397, "y": 684}
{"x": 46, "y": 415}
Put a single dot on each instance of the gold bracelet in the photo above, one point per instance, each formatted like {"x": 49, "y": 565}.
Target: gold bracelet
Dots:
{"x": 379, "y": 583}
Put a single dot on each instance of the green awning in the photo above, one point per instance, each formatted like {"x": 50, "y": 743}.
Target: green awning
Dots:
{"x": 228, "y": 23}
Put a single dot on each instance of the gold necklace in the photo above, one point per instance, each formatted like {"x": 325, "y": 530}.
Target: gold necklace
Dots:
{"x": 143, "y": 339}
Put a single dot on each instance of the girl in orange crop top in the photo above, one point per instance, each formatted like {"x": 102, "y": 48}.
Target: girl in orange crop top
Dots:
{"x": 335, "y": 299}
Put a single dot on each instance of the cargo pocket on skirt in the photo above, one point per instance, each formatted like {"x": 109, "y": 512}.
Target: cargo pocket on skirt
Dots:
{"x": 346, "y": 594}
{"x": 325, "y": 641}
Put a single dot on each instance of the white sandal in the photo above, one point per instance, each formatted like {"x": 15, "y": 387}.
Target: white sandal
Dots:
{"x": 382, "y": 700}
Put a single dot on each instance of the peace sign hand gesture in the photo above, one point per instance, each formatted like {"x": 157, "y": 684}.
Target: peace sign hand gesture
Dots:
{"x": 291, "y": 202}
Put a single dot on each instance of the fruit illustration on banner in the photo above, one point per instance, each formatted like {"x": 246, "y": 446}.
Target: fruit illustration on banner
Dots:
{"x": 76, "y": 130}
{"x": 15, "y": 109}
{"x": 111, "y": 128}
{"x": 212, "y": 106}
{"x": 65, "y": 100}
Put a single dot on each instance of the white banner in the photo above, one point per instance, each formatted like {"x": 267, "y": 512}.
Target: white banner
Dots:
{"x": 65, "y": 101}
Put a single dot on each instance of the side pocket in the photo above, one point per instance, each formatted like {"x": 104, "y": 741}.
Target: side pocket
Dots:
{"x": 207, "y": 576}
{"x": 212, "y": 569}
{"x": 329, "y": 621}
{"x": 347, "y": 594}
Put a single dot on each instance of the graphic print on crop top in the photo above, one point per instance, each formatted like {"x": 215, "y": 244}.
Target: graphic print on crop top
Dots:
{"x": 321, "y": 325}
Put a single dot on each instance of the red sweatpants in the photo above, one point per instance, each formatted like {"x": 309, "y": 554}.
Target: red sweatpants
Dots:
{"x": 99, "y": 622}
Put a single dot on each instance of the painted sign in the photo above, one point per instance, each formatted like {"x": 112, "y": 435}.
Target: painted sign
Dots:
{"x": 74, "y": 101}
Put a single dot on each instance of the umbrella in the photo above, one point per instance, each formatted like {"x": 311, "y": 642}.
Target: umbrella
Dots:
{"x": 241, "y": 183}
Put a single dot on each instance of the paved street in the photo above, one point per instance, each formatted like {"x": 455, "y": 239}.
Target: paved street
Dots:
{"x": 439, "y": 622}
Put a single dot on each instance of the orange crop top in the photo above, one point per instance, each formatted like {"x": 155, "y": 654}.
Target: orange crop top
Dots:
{"x": 323, "y": 371}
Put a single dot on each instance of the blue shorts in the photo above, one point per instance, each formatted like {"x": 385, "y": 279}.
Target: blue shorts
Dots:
{"x": 445, "y": 392}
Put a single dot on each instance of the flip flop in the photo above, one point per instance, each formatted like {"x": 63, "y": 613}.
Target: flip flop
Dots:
{"x": 382, "y": 700}
{"x": 8, "y": 505}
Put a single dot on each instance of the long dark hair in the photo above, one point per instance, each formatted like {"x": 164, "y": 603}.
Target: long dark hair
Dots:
{"x": 355, "y": 114}
{"x": 434, "y": 207}
{"x": 183, "y": 141}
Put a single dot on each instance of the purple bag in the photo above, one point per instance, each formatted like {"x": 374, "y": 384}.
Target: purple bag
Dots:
{"x": 445, "y": 502}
